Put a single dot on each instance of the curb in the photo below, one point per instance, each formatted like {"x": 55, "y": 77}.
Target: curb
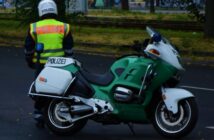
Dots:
{"x": 186, "y": 61}
{"x": 100, "y": 45}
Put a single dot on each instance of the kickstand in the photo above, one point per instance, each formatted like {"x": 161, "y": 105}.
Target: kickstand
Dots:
{"x": 131, "y": 127}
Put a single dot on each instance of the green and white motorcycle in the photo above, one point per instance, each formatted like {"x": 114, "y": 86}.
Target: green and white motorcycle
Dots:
{"x": 136, "y": 89}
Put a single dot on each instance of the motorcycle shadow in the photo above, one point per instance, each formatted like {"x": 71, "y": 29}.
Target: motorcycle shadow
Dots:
{"x": 97, "y": 131}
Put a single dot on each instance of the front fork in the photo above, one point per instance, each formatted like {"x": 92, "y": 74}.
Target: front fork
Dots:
{"x": 172, "y": 96}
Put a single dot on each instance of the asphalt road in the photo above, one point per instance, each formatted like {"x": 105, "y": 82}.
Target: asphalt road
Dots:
{"x": 16, "y": 107}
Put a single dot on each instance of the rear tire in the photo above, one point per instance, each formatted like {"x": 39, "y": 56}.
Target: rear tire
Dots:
{"x": 59, "y": 125}
{"x": 177, "y": 125}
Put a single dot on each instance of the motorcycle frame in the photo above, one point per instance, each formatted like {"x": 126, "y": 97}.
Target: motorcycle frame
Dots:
{"x": 137, "y": 112}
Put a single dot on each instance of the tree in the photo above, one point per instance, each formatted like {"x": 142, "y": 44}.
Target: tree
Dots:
{"x": 157, "y": 3}
{"x": 125, "y": 4}
{"x": 152, "y": 6}
{"x": 111, "y": 3}
{"x": 27, "y": 9}
{"x": 61, "y": 9}
{"x": 207, "y": 19}
{"x": 194, "y": 12}
{"x": 209, "y": 23}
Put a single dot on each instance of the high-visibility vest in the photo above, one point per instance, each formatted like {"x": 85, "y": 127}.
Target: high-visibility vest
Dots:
{"x": 50, "y": 32}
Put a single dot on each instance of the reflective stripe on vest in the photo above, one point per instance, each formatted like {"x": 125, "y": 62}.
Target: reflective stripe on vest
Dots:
{"x": 50, "y": 32}
{"x": 44, "y": 58}
{"x": 49, "y": 53}
{"x": 33, "y": 31}
{"x": 66, "y": 28}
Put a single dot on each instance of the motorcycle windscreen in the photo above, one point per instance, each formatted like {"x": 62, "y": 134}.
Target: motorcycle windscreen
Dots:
{"x": 53, "y": 81}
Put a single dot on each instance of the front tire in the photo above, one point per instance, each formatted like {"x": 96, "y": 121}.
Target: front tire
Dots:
{"x": 175, "y": 125}
{"x": 59, "y": 125}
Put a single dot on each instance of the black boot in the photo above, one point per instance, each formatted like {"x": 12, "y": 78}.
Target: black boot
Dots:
{"x": 38, "y": 117}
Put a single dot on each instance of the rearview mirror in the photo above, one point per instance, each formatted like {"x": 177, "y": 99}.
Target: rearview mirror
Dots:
{"x": 137, "y": 46}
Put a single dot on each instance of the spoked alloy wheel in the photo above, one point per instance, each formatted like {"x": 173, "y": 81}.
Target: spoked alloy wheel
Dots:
{"x": 57, "y": 118}
{"x": 176, "y": 125}
{"x": 55, "y": 115}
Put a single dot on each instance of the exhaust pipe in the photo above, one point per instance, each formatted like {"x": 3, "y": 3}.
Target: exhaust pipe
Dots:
{"x": 81, "y": 110}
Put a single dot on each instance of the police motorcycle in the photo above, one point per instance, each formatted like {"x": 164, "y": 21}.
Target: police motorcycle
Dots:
{"x": 136, "y": 89}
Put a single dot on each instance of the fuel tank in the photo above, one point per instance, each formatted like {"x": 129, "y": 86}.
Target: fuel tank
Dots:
{"x": 130, "y": 70}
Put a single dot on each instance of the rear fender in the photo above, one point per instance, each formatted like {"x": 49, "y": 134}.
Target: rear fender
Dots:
{"x": 172, "y": 96}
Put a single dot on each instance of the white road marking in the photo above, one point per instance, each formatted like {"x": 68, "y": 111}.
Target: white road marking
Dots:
{"x": 199, "y": 88}
{"x": 210, "y": 127}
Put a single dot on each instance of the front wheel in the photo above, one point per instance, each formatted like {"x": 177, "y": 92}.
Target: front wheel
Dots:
{"x": 56, "y": 121}
{"x": 176, "y": 125}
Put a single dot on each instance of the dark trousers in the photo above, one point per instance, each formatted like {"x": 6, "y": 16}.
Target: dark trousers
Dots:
{"x": 39, "y": 101}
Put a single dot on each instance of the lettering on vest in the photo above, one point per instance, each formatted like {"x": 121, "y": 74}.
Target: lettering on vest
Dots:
{"x": 51, "y": 29}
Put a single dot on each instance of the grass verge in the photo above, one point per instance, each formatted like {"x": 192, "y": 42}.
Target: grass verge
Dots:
{"x": 193, "y": 43}
{"x": 139, "y": 15}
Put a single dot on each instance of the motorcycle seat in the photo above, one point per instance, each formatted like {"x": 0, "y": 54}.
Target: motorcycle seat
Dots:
{"x": 98, "y": 79}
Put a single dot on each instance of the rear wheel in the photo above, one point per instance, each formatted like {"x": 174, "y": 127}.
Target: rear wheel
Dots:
{"x": 56, "y": 118}
{"x": 176, "y": 125}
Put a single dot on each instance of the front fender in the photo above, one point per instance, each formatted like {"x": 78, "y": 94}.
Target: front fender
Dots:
{"x": 172, "y": 96}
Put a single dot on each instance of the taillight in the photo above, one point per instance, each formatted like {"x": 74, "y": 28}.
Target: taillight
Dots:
{"x": 42, "y": 79}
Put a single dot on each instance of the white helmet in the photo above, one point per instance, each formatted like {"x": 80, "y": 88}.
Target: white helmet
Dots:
{"x": 47, "y": 7}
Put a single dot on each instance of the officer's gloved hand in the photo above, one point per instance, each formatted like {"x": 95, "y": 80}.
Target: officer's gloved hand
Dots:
{"x": 31, "y": 65}
{"x": 29, "y": 60}
{"x": 69, "y": 54}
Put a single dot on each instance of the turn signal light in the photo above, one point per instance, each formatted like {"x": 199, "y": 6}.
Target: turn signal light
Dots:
{"x": 155, "y": 52}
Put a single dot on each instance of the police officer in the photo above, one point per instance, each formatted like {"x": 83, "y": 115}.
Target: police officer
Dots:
{"x": 56, "y": 38}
